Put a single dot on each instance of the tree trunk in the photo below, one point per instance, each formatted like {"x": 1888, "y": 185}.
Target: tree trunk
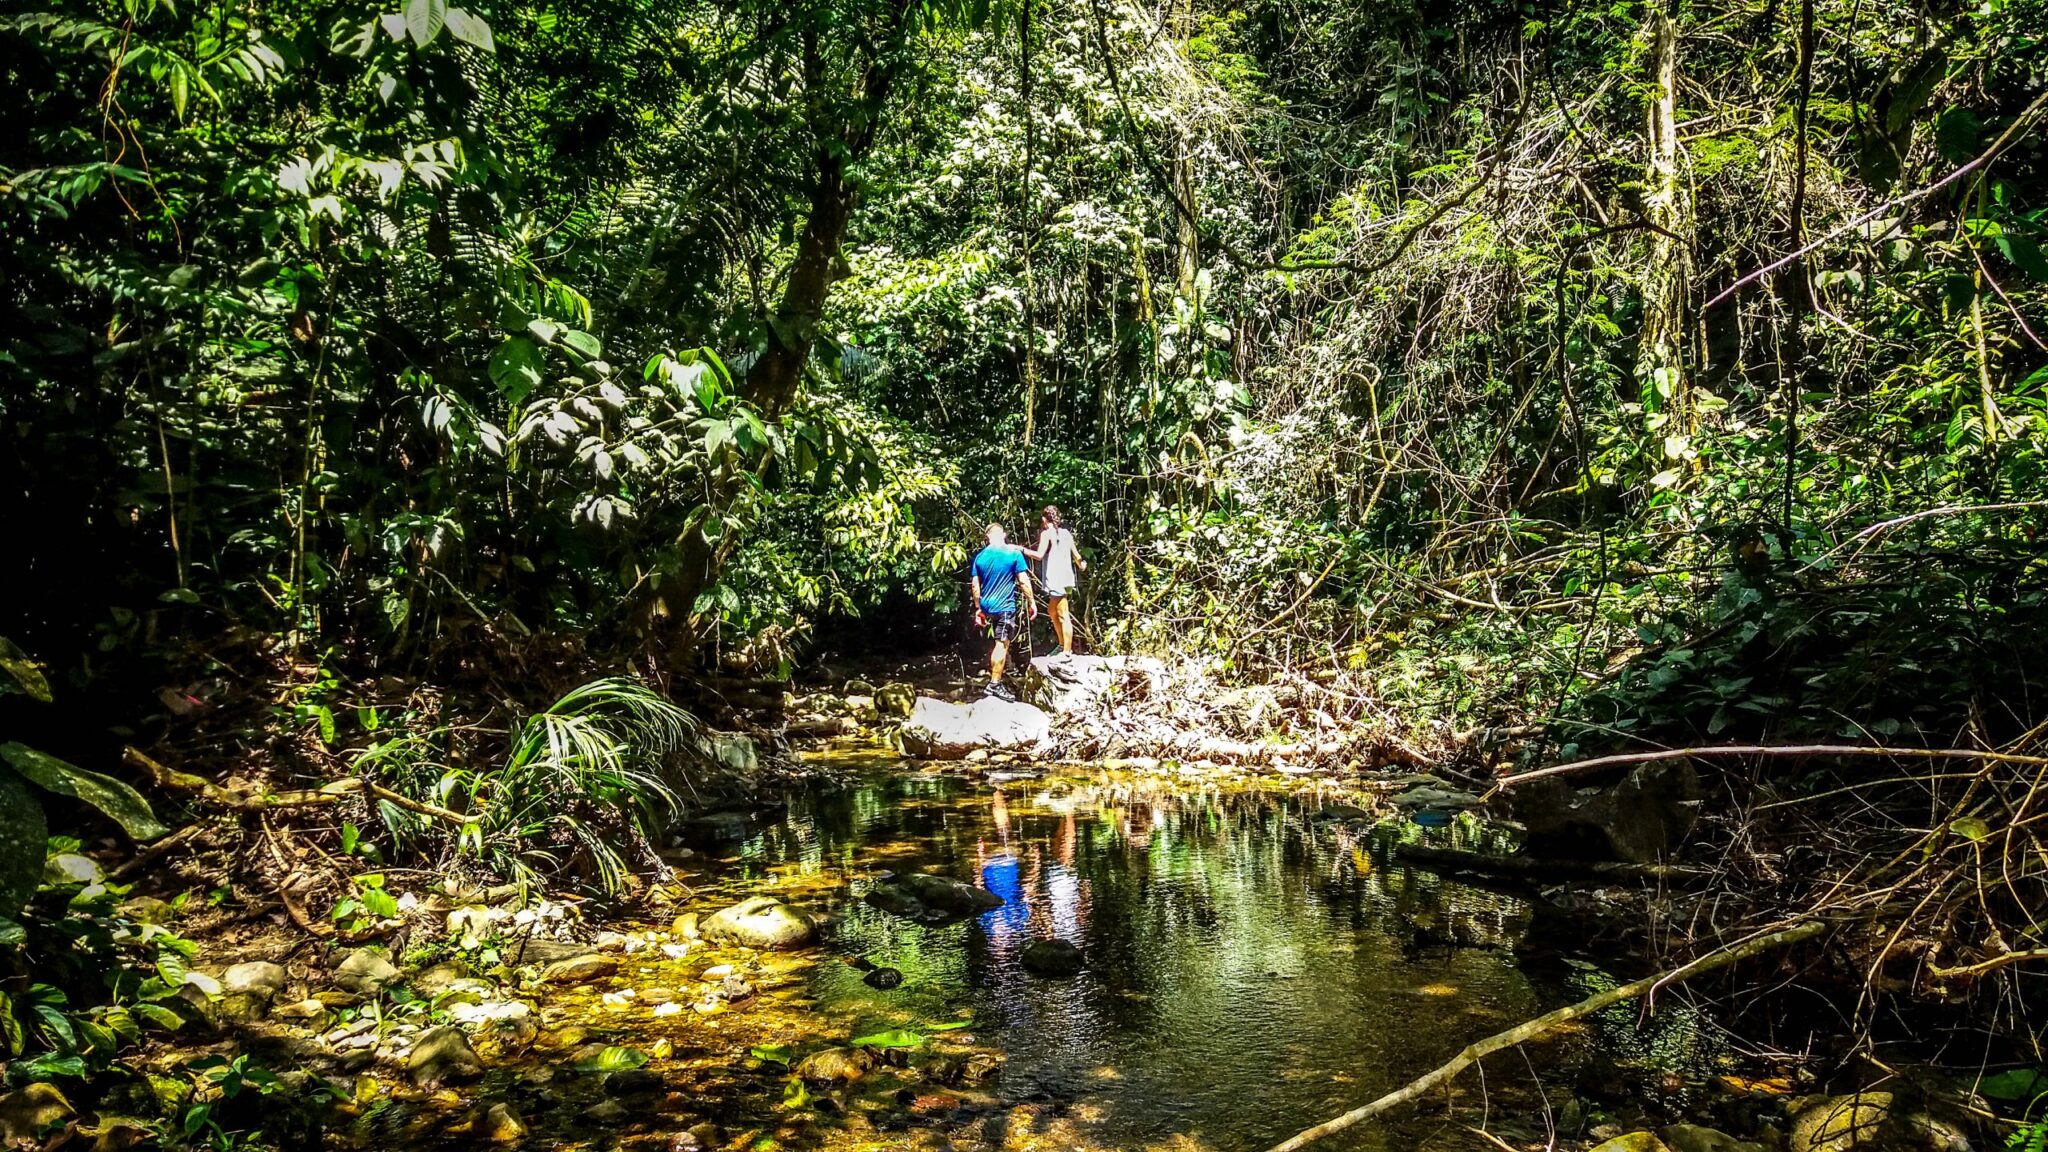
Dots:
{"x": 1660, "y": 367}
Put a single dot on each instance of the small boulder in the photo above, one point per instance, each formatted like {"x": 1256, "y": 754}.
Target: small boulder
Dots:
{"x": 468, "y": 926}
{"x": 71, "y": 868}
{"x": 1055, "y": 959}
{"x": 894, "y": 701}
{"x": 1632, "y": 1142}
{"x": 255, "y": 978}
{"x": 1693, "y": 1138}
{"x": 501, "y": 1125}
{"x": 29, "y": 1111}
{"x": 685, "y": 926}
{"x": 633, "y": 1082}
{"x": 310, "y": 1010}
{"x": 843, "y": 1065}
{"x": 606, "y": 1112}
{"x": 365, "y": 972}
{"x": 442, "y": 1056}
{"x": 941, "y": 731}
{"x": 580, "y": 969}
{"x": 761, "y": 922}
{"x": 1868, "y": 1120}
{"x": 884, "y": 979}
{"x": 930, "y": 899}
{"x": 491, "y": 1012}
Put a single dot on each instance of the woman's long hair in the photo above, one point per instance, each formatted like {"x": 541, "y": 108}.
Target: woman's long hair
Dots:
{"x": 1052, "y": 515}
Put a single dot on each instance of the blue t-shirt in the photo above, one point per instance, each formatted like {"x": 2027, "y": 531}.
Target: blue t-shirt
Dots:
{"x": 997, "y": 567}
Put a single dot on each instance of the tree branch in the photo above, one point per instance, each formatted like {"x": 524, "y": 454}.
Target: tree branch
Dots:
{"x": 1532, "y": 1029}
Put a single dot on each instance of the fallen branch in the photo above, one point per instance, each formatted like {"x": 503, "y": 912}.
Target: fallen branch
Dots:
{"x": 173, "y": 780}
{"x": 1531, "y": 1029}
{"x": 1534, "y": 868}
{"x": 1964, "y": 971}
{"x": 1772, "y": 750}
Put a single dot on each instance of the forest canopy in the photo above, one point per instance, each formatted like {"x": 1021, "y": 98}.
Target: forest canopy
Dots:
{"x": 1669, "y": 368}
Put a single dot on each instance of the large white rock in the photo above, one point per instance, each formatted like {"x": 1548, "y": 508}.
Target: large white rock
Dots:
{"x": 941, "y": 730}
{"x": 1065, "y": 685}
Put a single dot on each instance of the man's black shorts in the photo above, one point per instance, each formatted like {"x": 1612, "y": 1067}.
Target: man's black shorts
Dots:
{"x": 1002, "y": 626}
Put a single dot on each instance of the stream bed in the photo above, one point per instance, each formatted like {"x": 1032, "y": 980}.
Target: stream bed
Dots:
{"x": 1256, "y": 961}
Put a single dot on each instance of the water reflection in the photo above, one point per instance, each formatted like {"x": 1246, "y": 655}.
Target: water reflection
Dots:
{"x": 1252, "y": 965}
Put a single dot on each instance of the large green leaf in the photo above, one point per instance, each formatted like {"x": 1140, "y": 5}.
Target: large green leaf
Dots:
{"x": 23, "y": 838}
{"x": 120, "y": 802}
{"x": 424, "y": 19}
{"x": 613, "y": 1059}
{"x": 21, "y": 673}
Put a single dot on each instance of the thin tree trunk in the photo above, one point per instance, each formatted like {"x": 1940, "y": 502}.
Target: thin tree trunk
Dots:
{"x": 1660, "y": 367}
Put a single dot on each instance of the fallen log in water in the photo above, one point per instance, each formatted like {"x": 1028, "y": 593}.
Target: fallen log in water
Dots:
{"x": 1522, "y": 1033}
{"x": 1539, "y": 868}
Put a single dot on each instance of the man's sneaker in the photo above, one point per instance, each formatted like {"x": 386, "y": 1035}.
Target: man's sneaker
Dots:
{"x": 1001, "y": 691}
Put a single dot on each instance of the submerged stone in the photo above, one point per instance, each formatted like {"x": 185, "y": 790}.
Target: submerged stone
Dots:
{"x": 1633, "y": 1142}
{"x": 580, "y": 969}
{"x": 844, "y": 1065}
{"x": 930, "y": 899}
{"x": 1057, "y": 959}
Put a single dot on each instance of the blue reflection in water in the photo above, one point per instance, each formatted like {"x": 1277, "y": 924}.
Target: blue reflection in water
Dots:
{"x": 1004, "y": 876}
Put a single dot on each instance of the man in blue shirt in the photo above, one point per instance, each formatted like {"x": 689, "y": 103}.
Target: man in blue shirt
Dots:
{"x": 1000, "y": 575}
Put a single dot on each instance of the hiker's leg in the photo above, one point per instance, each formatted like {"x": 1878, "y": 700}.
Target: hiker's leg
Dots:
{"x": 1062, "y": 626}
{"x": 997, "y": 657}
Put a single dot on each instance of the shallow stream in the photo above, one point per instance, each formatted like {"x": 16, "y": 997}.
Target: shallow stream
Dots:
{"x": 1255, "y": 961}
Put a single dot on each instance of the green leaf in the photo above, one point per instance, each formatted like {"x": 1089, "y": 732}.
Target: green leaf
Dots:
{"x": 470, "y": 29}
{"x": 119, "y": 801}
{"x": 381, "y": 904}
{"x": 160, "y": 1016}
{"x": 582, "y": 344}
{"x": 1970, "y": 828}
{"x": 772, "y": 1053}
{"x": 23, "y": 836}
{"x": 50, "y": 1065}
{"x": 12, "y": 934}
{"x": 2025, "y": 255}
{"x": 2015, "y": 1084}
{"x": 613, "y": 1059}
{"x": 22, "y": 674}
{"x": 950, "y": 1026}
{"x": 10, "y": 1026}
{"x": 424, "y": 19}
{"x": 171, "y": 967}
{"x": 795, "y": 1094}
{"x": 893, "y": 1038}
{"x": 515, "y": 368}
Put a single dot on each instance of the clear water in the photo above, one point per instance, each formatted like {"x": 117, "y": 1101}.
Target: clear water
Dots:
{"x": 1251, "y": 967}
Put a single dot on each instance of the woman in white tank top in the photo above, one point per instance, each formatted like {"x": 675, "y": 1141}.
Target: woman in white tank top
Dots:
{"x": 1061, "y": 560}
